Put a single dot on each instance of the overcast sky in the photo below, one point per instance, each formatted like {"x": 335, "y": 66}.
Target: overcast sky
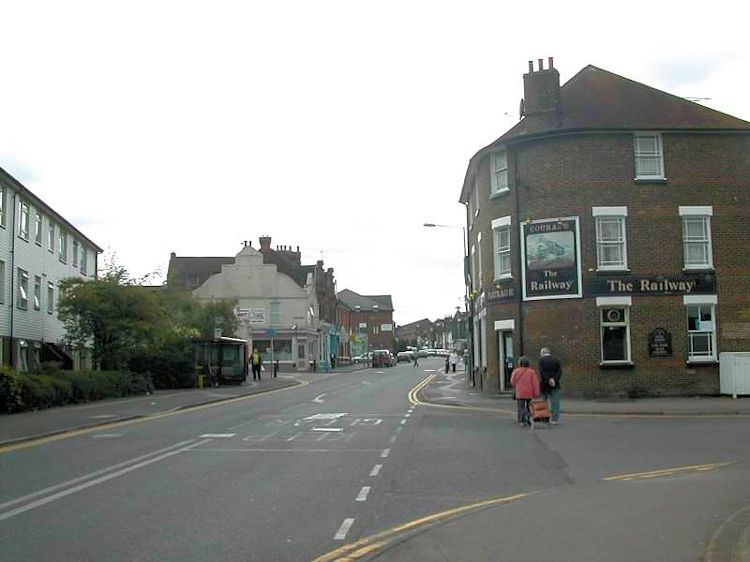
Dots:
{"x": 340, "y": 127}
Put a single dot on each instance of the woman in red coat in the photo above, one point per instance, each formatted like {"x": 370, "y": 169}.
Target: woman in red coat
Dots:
{"x": 525, "y": 381}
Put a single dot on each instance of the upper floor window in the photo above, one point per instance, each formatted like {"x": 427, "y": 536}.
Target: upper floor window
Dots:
{"x": 23, "y": 221}
{"x": 473, "y": 203}
{"x": 63, "y": 246}
{"x": 479, "y": 256}
{"x": 37, "y": 292}
{"x": 83, "y": 260}
{"x": 275, "y": 314}
{"x": 473, "y": 267}
{"x": 501, "y": 235}
{"x": 2, "y": 281}
{"x": 2, "y": 205}
{"x": 23, "y": 289}
{"x": 611, "y": 242}
{"x": 649, "y": 158}
{"x": 38, "y": 229}
{"x": 696, "y": 237}
{"x": 51, "y": 236}
{"x": 50, "y": 298}
{"x": 75, "y": 253}
{"x": 499, "y": 172}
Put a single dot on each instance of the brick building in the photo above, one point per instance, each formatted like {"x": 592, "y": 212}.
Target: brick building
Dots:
{"x": 366, "y": 323}
{"x": 416, "y": 334}
{"x": 612, "y": 225}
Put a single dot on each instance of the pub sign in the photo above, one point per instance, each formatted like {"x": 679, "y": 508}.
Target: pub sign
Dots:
{"x": 551, "y": 259}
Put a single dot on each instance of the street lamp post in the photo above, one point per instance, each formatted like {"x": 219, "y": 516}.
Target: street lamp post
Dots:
{"x": 467, "y": 284}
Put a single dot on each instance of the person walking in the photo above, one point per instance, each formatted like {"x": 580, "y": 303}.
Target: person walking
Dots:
{"x": 416, "y": 360}
{"x": 257, "y": 362}
{"x": 525, "y": 381}
{"x": 550, "y": 371}
{"x": 454, "y": 360}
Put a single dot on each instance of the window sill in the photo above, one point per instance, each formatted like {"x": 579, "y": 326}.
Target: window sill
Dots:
{"x": 653, "y": 181}
{"x": 503, "y": 278}
{"x": 612, "y": 271}
{"x": 616, "y": 365}
{"x": 707, "y": 362}
{"x": 500, "y": 193}
{"x": 701, "y": 269}
{"x": 22, "y": 238}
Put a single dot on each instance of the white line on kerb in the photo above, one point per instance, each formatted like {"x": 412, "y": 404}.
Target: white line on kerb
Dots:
{"x": 363, "y": 493}
{"x": 344, "y": 529}
{"x": 73, "y": 490}
{"x": 385, "y": 453}
{"x": 376, "y": 470}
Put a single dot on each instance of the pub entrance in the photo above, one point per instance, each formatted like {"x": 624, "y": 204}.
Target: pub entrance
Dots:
{"x": 505, "y": 360}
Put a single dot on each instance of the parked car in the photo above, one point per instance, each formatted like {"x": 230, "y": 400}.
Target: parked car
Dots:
{"x": 381, "y": 358}
{"x": 364, "y": 358}
{"x": 404, "y": 356}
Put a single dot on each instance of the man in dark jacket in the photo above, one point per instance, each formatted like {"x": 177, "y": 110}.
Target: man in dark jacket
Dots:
{"x": 550, "y": 373}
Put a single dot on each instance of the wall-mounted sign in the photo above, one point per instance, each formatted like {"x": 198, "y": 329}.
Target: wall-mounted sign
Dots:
{"x": 257, "y": 315}
{"x": 386, "y": 327}
{"x": 551, "y": 250}
{"x": 655, "y": 285}
{"x": 659, "y": 343}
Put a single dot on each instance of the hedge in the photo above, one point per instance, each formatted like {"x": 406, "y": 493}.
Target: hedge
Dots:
{"x": 22, "y": 391}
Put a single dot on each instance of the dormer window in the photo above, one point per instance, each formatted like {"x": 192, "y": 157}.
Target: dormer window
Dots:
{"x": 649, "y": 157}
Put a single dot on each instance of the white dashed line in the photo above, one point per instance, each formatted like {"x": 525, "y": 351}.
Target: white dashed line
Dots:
{"x": 393, "y": 439}
{"x": 344, "y": 529}
{"x": 363, "y": 493}
{"x": 216, "y": 435}
{"x": 403, "y": 422}
{"x": 376, "y": 470}
{"x": 385, "y": 453}
{"x": 407, "y": 415}
{"x": 399, "y": 429}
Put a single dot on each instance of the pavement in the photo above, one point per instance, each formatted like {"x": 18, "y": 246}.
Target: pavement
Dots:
{"x": 454, "y": 389}
{"x": 26, "y": 426}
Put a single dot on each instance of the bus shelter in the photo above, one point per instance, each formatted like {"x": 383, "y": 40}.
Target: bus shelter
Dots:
{"x": 221, "y": 360}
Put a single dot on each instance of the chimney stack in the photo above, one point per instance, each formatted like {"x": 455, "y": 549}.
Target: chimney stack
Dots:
{"x": 541, "y": 89}
{"x": 265, "y": 243}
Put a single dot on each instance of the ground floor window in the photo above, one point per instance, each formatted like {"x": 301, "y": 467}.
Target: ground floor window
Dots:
{"x": 701, "y": 332}
{"x": 615, "y": 334}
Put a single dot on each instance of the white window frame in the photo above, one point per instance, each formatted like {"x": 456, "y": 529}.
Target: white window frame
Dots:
{"x": 610, "y": 214}
{"x": 75, "y": 253}
{"x": 50, "y": 297}
{"x": 24, "y": 212}
{"x": 496, "y": 168}
{"x": 643, "y": 154}
{"x": 2, "y": 281}
{"x": 702, "y": 301}
{"x": 499, "y": 226}
{"x": 22, "y": 301}
{"x": 83, "y": 260}
{"x": 51, "y": 236}
{"x": 479, "y": 258}
{"x": 692, "y": 213}
{"x": 275, "y": 313}
{"x": 37, "y": 292}
{"x": 38, "y": 228}
{"x": 624, "y": 303}
{"x": 473, "y": 268}
{"x": 63, "y": 245}
{"x": 2, "y": 205}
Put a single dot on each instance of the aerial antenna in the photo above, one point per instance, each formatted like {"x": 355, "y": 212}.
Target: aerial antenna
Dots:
{"x": 696, "y": 99}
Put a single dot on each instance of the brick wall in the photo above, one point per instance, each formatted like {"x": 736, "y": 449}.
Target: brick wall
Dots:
{"x": 566, "y": 176}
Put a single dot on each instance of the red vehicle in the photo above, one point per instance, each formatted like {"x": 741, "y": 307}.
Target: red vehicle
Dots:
{"x": 381, "y": 358}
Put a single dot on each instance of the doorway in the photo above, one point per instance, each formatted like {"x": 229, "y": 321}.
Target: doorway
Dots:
{"x": 505, "y": 360}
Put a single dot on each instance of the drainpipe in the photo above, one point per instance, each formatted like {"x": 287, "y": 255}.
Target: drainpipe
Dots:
{"x": 517, "y": 196}
{"x": 12, "y": 275}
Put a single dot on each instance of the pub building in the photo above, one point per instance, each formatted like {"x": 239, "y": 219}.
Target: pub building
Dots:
{"x": 610, "y": 224}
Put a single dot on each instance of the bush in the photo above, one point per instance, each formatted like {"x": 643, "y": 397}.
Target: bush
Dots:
{"x": 23, "y": 391}
{"x": 172, "y": 368}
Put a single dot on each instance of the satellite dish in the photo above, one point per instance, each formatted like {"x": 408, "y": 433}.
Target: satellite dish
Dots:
{"x": 521, "y": 109}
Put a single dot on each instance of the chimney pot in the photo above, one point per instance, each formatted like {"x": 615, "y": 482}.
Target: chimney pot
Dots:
{"x": 541, "y": 64}
{"x": 551, "y": 64}
{"x": 531, "y": 66}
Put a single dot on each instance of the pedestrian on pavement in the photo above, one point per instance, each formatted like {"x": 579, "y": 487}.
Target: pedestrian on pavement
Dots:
{"x": 257, "y": 362}
{"x": 447, "y": 364}
{"x": 416, "y": 359}
{"x": 454, "y": 359}
{"x": 550, "y": 371}
{"x": 525, "y": 382}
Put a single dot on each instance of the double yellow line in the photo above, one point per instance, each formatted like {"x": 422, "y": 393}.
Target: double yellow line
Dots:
{"x": 669, "y": 471}
{"x": 373, "y": 543}
{"x": 413, "y": 393}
